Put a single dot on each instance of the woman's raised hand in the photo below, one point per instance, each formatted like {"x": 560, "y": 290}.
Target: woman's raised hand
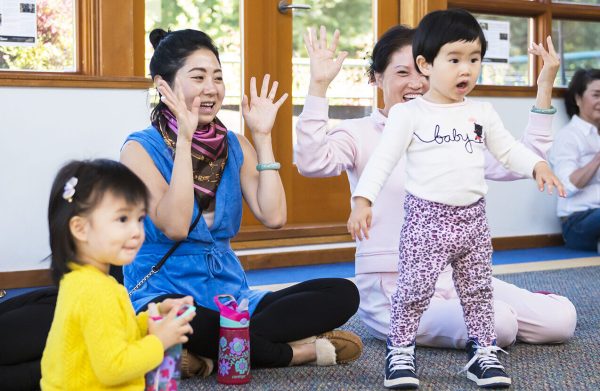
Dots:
{"x": 324, "y": 64}
{"x": 260, "y": 110}
{"x": 550, "y": 59}
{"x": 187, "y": 118}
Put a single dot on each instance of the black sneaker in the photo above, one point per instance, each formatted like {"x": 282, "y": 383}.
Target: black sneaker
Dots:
{"x": 400, "y": 367}
{"x": 484, "y": 368}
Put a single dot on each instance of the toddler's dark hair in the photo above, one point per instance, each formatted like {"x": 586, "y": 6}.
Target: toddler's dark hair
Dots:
{"x": 438, "y": 28}
{"x": 94, "y": 179}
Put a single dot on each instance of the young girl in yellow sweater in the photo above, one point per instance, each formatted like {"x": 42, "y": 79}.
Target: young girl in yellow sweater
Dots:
{"x": 96, "y": 341}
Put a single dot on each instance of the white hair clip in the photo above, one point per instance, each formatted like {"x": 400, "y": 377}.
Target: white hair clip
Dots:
{"x": 69, "y": 190}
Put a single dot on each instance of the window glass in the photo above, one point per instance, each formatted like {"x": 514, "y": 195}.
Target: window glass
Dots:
{"x": 578, "y": 43}
{"x": 506, "y": 62}
{"x": 220, "y": 19}
{"x": 38, "y": 36}
{"x": 350, "y": 94}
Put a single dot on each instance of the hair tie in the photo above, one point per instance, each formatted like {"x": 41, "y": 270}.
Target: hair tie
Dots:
{"x": 69, "y": 190}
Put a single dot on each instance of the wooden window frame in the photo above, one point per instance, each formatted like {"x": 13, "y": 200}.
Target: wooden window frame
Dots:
{"x": 541, "y": 11}
{"x": 110, "y": 50}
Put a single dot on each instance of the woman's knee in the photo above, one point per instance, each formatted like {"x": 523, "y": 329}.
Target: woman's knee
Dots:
{"x": 347, "y": 296}
{"x": 557, "y": 327}
{"x": 506, "y": 324}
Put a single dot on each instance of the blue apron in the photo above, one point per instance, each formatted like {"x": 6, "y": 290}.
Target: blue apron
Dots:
{"x": 204, "y": 265}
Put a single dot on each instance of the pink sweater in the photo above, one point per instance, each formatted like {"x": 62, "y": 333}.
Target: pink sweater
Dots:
{"x": 322, "y": 153}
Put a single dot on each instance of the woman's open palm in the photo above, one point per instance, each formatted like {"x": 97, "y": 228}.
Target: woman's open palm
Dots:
{"x": 550, "y": 59}
{"x": 260, "y": 111}
{"x": 324, "y": 65}
{"x": 187, "y": 118}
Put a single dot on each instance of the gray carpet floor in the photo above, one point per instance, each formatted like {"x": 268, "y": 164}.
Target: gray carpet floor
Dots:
{"x": 573, "y": 366}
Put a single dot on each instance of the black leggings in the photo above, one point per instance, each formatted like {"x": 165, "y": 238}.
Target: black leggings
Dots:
{"x": 24, "y": 324}
{"x": 302, "y": 310}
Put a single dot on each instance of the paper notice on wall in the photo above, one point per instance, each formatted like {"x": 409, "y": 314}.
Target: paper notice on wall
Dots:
{"x": 18, "y": 22}
{"x": 497, "y": 35}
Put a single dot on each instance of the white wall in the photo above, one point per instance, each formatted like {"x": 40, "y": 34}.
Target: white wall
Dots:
{"x": 517, "y": 208}
{"x": 41, "y": 129}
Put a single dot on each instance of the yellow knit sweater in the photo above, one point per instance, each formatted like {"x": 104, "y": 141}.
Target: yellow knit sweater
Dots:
{"x": 96, "y": 342}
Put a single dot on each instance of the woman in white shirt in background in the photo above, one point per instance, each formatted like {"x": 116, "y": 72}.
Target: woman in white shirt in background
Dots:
{"x": 575, "y": 157}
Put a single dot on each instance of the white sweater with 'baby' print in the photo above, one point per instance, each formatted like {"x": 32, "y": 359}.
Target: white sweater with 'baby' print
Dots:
{"x": 444, "y": 146}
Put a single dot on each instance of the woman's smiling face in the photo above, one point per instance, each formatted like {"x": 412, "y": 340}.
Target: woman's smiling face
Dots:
{"x": 201, "y": 76}
{"x": 401, "y": 82}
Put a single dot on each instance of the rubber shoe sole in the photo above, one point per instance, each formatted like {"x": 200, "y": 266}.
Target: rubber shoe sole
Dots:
{"x": 403, "y": 383}
{"x": 492, "y": 382}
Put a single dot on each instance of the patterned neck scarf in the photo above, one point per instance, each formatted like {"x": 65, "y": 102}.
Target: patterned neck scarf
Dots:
{"x": 209, "y": 153}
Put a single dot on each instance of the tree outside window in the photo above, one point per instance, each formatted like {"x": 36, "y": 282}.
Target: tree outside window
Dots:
{"x": 54, "y": 50}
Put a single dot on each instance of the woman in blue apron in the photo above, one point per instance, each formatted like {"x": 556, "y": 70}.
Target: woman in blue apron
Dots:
{"x": 197, "y": 173}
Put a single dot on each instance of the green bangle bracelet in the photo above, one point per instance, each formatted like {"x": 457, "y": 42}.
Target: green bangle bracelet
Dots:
{"x": 537, "y": 110}
{"x": 268, "y": 166}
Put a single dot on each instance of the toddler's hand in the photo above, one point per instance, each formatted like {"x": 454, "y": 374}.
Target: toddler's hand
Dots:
{"x": 171, "y": 330}
{"x": 360, "y": 219}
{"x": 167, "y": 304}
{"x": 544, "y": 176}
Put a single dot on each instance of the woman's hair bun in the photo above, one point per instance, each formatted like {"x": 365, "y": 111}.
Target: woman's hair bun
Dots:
{"x": 156, "y": 36}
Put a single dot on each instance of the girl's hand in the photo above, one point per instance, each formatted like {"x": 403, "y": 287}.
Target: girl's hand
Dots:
{"x": 359, "y": 221}
{"x": 261, "y": 111}
{"x": 171, "y": 330}
{"x": 167, "y": 304}
{"x": 550, "y": 59}
{"x": 187, "y": 118}
{"x": 544, "y": 176}
{"x": 324, "y": 65}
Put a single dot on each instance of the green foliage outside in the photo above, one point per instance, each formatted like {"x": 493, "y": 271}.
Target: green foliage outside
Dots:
{"x": 354, "y": 19}
{"x": 54, "y": 48}
{"x": 220, "y": 19}
{"x": 580, "y": 41}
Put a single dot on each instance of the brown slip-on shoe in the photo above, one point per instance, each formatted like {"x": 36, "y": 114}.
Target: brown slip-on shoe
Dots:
{"x": 348, "y": 346}
{"x": 192, "y": 365}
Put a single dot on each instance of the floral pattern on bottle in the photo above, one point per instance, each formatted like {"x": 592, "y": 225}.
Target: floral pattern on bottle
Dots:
{"x": 233, "y": 364}
{"x": 166, "y": 376}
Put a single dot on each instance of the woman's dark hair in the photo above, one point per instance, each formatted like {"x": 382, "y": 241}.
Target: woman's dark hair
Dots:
{"x": 171, "y": 49}
{"x": 94, "y": 179}
{"x": 577, "y": 87}
{"x": 438, "y": 28}
{"x": 391, "y": 41}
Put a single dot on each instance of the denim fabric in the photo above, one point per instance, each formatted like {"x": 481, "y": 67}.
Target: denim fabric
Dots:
{"x": 204, "y": 265}
{"x": 581, "y": 230}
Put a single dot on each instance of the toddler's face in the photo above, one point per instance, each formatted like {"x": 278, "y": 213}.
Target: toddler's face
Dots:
{"x": 112, "y": 233}
{"x": 454, "y": 71}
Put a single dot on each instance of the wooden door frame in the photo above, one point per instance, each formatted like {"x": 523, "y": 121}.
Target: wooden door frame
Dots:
{"x": 266, "y": 35}
{"x": 266, "y": 49}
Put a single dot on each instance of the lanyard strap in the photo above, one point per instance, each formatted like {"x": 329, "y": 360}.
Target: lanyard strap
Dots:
{"x": 154, "y": 269}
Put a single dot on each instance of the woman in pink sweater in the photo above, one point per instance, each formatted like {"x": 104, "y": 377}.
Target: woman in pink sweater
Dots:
{"x": 321, "y": 152}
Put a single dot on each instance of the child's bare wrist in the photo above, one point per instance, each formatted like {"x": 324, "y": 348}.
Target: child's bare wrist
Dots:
{"x": 362, "y": 202}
